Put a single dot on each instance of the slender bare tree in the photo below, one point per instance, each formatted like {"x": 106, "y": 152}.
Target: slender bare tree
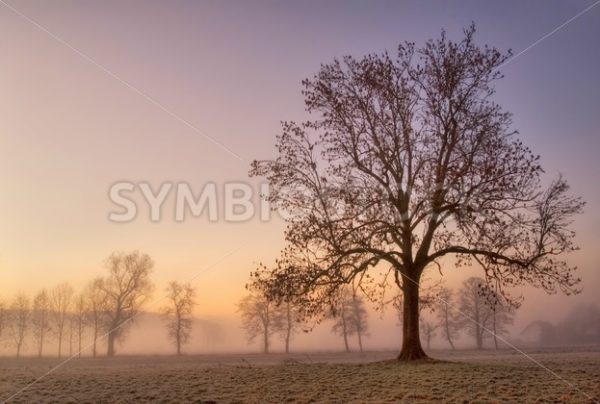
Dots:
{"x": 428, "y": 331}
{"x": 19, "y": 318}
{"x": 350, "y": 317}
{"x": 502, "y": 316}
{"x": 359, "y": 318}
{"x": 60, "y": 297}
{"x": 259, "y": 318}
{"x": 71, "y": 321}
{"x": 341, "y": 313}
{"x": 289, "y": 322}
{"x": 126, "y": 288}
{"x": 2, "y": 317}
{"x": 96, "y": 309}
{"x": 447, "y": 317}
{"x": 40, "y": 318}
{"x": 80, "y": 317}
{"x": 179, "y": 312}
{"x": 408, "y": 160}
{"x": 475, "y": 310}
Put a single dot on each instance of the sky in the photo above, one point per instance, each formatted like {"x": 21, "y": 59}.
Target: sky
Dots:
{"x": 93, "y": 93}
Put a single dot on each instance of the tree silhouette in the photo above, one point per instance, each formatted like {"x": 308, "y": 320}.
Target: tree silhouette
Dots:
{"x": 96, "y": 309}
{"x": 80, "y": 318}
{"x": 3, "y": 317}
{"x": 40, "y": 318}
{"x": 179, "y": 312}
{"x": 359, "y": 318}
{"x": 288, "y": 321}
{"x": 447, "y": 317}
{"x": 60, "y": 297}
{"x": 350, "y": 317}
{"x": 408, "y": 160}
{"x": 475, "y": 311}
{"x": 18, "y": 323}
{"x": 126, "y": 289}
{"x": 502, "y": 316}
{"x": 428, "y": 331}
{"x": 259, "y": 318}
{"x": 341, "y": 313}
{"x": 484, "y": 312}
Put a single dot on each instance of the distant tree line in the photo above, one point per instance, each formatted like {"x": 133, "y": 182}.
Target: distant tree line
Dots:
{"x": 581, "y": 326}
{"x": 105, "y": 307}
{"x": 475, "y": 310}
{"x": 263, "y": 318}
{"x": 487, "y": 313}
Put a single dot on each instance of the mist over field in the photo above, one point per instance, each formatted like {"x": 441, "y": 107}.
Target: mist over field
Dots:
{"x": 578, "y": 327}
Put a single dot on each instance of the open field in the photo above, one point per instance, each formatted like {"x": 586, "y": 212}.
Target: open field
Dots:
{"x": 464, "y": 376}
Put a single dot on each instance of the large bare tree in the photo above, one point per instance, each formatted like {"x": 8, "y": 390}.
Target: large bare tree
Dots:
{"x": 18, "y": 321}
{"x": 40, "y": 318}
{"x": 179, "y": 312}
{"x": 60, "y": 297}
{"x": 407, "y": 160}
{"x": 126, "y": 288}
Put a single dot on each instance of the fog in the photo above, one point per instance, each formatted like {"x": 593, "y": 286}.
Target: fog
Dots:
{"x": 147, "y": 335}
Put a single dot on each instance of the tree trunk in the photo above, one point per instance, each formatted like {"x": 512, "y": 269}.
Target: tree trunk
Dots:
{"x": 95, "y": 340}
{"x": 289, "y": 328}
{"x": 451, "y": 343}
{"x": 41, "y": 345}
{"x": 71, "y": 339}
{"x": 79, "y": 338}
{"x": 411, "y": 343}
{"x": 60, "y": 334}
{"x": 495, "y": 338}
{"x": 447, "y": 327}
{"x": 178, "y": 336}
{"x": 346, "y": 342}
{"x": 359, "y": 340}
{"x": 111, "y": 343}
{"x": 448, "y": 331}
{"x": 478, "y": 330}
{"x": 266, "y": 341}
{"x": 345, "y": 332}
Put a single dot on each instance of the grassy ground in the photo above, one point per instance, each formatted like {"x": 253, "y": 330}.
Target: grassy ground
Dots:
{"x": 464, "y": 377}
